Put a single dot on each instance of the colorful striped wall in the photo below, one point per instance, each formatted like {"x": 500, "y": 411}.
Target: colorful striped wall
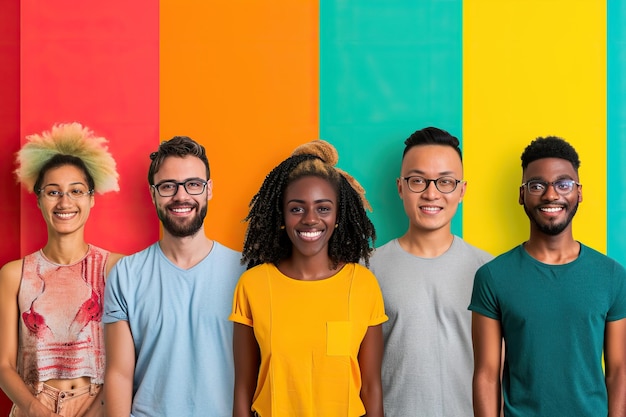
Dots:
{"x": 251, "y": 80}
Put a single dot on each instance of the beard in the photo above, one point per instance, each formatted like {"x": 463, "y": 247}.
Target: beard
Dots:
{"x": 180, "y": 229}
{"x": 552, "y": 229}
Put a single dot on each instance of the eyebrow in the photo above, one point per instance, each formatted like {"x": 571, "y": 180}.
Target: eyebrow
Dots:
{"x": 323, "y": 200}
{"x": 58, "y": 185}
{"x": 419, "y": 172}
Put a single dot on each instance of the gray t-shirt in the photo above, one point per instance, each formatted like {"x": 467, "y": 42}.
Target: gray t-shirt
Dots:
{"x": 428, "y": 361}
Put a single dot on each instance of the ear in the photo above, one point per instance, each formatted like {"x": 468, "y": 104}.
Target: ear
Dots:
{"x": 463, "y": 186}
{"x": 399, "y": 183}
{"x": 521, "y": 195}
{"x": 152, "y": 192}
{"x": 93, "y": 201}
{"x": 209, "y": 190}
{"x": 580, "y": 193}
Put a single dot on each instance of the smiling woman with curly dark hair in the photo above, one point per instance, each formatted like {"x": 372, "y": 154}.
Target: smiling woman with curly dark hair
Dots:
{"x": 307, "y": 336}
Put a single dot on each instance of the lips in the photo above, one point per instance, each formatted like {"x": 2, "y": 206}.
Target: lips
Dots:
{"x": 181, "y": 209}
{"x": 431, "y": 209}
{"x": 65, "y": 215}
{"x": 310, "y": 235}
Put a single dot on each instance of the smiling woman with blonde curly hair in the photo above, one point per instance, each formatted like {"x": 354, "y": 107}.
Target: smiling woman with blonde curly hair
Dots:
{"x": 51, "y": 341}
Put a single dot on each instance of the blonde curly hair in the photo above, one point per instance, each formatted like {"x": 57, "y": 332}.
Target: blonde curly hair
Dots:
{"x": 72, "y": 139}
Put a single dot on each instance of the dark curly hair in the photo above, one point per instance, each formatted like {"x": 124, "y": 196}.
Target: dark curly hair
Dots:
{"x": 265, "y": 241}
{"x": 550, "y": 147}
{"x": 432, "y": 136}
{"x": 179, "y": 146}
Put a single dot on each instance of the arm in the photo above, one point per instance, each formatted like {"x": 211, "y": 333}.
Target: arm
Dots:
{"x": 10, "y": 381}
{"x": 120, "y": 369}
{"x": 112, "y": 260}
{"x": 615, "y": 365}
{"x": 370, "y": 361}
{"x": 247, "y": 361}
{"x": 487, "y": 341}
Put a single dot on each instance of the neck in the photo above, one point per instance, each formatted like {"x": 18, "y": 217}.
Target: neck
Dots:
{"x": 66, "y": 249}
{"x": 305, "y": 268}
{"x": 554, "y": 250}
{"x": 186, "y": 252}
{"x": 426, "y": 244}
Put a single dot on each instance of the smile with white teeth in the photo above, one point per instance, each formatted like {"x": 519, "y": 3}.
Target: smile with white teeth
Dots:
{"x": 310, "y": 235}
{"x": 65, "y": 215}
{"x": 551, "y": 209}
{"x": 181, "y": 209}
{"x": 431, "y": 209}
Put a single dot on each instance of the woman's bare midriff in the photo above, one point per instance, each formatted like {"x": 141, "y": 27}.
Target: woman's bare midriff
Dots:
{"x": 68, "y": 384}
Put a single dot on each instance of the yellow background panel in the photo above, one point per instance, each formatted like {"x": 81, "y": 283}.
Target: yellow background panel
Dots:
{"x": 531, "y": 68}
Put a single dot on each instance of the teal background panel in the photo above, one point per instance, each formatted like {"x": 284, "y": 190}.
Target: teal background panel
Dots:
{"x": 388, "y": 68}
{"x": 616, "y": 130}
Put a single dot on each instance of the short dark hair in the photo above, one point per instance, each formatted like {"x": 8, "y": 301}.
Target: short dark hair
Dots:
{"x": 179, "y": 146}
{"x": 60, "y": 160}
{"x": 432, "y": 136}
{"x": 550, "y": 147}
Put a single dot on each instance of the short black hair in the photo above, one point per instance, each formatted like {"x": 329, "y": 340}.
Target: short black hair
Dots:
{"x": 432, "y": 136}
{"x": 550, "y": 147}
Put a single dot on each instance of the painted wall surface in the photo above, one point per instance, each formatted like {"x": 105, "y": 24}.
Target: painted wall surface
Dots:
{"x": 252, "y": 80}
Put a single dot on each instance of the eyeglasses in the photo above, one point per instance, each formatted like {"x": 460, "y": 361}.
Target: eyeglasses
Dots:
{"x": 538, "y": 187}
{"x": 419, "y": 184}
{"x": 53, "y": 193}
{"x": 193, "y": 186}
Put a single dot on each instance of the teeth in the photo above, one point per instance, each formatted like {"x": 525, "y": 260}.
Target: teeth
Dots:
{"x": 65, "y": 215}
{"x": 551, "y": 209}
{"x": 310, "y": 235}
{"x": 181, "y": 210}
{"x": 433, "y": 209}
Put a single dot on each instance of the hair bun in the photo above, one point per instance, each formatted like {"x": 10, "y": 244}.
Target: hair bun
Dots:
{"x": 320, "y": 148}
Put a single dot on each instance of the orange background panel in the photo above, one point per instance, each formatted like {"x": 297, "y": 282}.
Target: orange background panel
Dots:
{"x": 241, "y": 78}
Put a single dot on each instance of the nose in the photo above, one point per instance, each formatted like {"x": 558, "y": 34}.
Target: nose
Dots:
{"x": 310, "y": 217}
{"x": 431, "y": 191}
{"x": 550, "y": 193}
{"x": 181, "y": 192}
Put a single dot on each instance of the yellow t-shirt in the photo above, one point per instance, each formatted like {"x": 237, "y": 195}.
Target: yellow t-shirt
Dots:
{"x": 309, "y": 334}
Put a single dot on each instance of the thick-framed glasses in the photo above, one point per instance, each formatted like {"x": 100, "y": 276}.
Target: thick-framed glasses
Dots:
{"x": 53, "y": 193}
{"x": 419, "y": 184}
{"x": 193, "y": 186}
{"x": 538, "y": 187}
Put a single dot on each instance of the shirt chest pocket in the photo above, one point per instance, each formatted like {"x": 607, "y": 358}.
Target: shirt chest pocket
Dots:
{"x": 338, "y": 337}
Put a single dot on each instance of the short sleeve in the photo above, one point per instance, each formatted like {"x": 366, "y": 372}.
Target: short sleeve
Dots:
{"x": 241, "y": 312}
{"x": 484, "y": 300}
{"x": 115, "y": 306}
{"x": 617, "y": 311}
{"x": 377, "y": 305}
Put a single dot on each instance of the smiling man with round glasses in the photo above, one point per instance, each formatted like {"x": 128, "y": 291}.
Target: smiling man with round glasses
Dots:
{"x": 426, "y": 278}
{"x": 557, "y": 304}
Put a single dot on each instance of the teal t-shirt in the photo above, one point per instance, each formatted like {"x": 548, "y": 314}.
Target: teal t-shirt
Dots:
{"x": 553, "y": 321}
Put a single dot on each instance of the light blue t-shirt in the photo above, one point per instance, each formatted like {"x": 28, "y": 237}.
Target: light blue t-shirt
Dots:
{"x": 182, "y": 336}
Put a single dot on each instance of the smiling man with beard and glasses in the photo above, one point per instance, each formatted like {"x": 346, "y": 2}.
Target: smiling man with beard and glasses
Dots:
{"x": 168, "y": 338}
{"x": 558, "y": 305}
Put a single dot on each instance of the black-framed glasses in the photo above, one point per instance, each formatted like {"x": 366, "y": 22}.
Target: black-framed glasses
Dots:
{"x": 419, "y": 184}
{"x": 193, "y": 186}
{"x": 53, "y": 193}
{"x": 539, "y": 187}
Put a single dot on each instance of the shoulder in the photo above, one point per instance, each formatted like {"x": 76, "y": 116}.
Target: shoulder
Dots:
{"x": 382, "y": 254}
{"x": 224, "y": 251}
{"x": 471, "y": 250}
{"x": 11, "y": 273}
{"x": 589, "y": 255}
